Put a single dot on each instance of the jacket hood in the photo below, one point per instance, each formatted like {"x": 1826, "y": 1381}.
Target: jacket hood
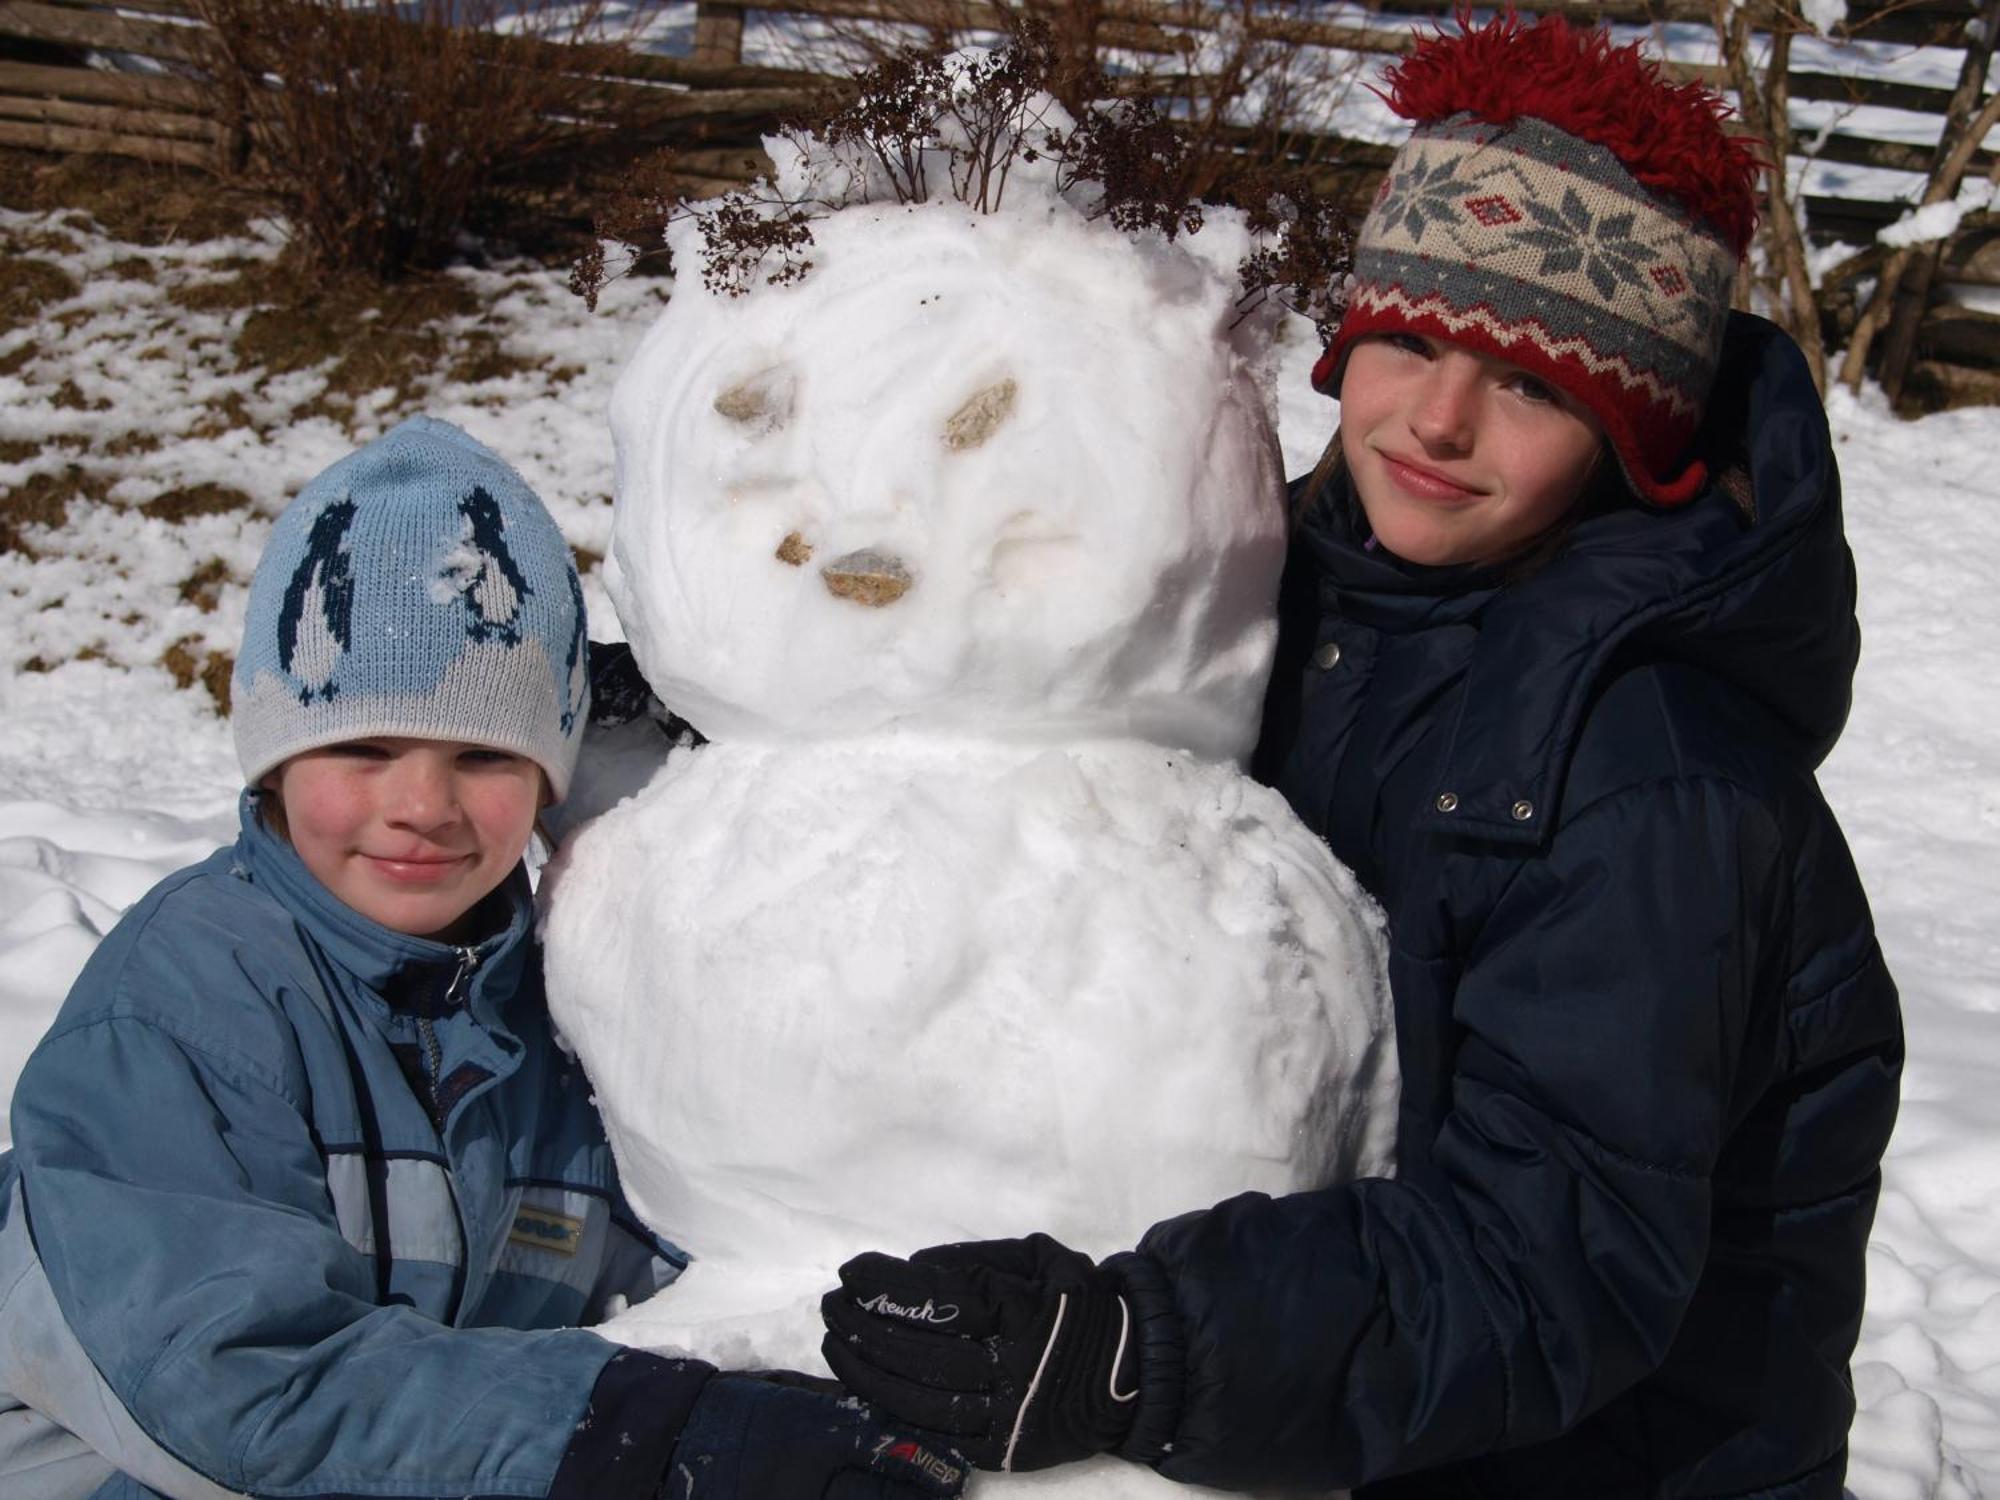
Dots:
{"x": 410, "y": 973}
{"x": 1765, "y": 601}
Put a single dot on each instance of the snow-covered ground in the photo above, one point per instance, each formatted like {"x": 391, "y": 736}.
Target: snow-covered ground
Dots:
{"x": 111, "y": 774}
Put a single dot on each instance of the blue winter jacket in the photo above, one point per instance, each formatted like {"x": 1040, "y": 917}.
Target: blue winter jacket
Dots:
{"x": 1649, "y": 1048}
{"x": 300, "y": 1206}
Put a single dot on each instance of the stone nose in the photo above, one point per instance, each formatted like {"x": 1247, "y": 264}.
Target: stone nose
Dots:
{"x": 868, "y": 576}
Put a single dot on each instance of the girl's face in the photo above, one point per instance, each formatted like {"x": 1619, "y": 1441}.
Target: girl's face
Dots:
{"x": 410, "y": 833}
{"x": 1459, "y": 457}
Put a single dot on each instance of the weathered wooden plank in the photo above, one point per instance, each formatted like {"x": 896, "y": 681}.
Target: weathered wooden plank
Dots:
{"x": 70, "y": 140}
{"x": 733, "y": 163}
{"x": 110, "y": 119}
{"x": 1941, "y": 23}
{"x": 1133, "y": 28}
{"x": 650, "y": 102}
{"x": 1835, "y": 88}
{"x": 132, "y": 89}
{"x": 1896, "y": 156}
{"x": 1960, "y": 336}
{"x": 718, "y": 33}
{"x": 99, "y": 29}
{"x": 181, "y": 8}
{"x": 1974, "y": 257}
{"x": 654, "y": 67}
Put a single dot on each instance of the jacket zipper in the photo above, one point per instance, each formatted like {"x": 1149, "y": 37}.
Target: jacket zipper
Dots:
{"x": 468, "y": 960}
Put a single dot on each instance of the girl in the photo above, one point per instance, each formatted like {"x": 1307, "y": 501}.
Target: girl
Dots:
{"x": 1567, "y": 626}
{"x": 305, "y": 1199}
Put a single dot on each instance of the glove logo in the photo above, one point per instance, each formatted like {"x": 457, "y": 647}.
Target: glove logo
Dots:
{"x": 929, "y": 1312}
{"x": 919, "y": 1458}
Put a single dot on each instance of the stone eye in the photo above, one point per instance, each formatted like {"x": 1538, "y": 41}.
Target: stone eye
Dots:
{"x": 981, "y": 415}
{"x": 761, "y": 402}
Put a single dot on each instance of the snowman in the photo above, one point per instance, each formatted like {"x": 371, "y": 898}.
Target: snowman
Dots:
{"x": 961, "y": 551}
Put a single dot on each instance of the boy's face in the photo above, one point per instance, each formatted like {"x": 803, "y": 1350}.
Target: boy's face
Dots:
{"x": 1459, "y": 457}
{"x": 410, "y": 833}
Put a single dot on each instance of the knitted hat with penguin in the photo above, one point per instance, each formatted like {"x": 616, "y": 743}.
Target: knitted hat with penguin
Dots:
{"x": 417, "y": 588}
{"x": 1563, "y": 207}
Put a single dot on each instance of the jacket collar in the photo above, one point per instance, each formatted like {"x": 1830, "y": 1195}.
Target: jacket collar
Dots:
{"x": 406, "y": 973}
{"x": 1765, "y": 603}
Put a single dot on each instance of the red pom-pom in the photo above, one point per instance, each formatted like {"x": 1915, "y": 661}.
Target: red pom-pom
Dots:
{"x": 1668, "y": 135}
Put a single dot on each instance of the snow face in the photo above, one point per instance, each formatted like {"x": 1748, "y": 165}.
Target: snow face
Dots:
{"x": 1005, "y": 472}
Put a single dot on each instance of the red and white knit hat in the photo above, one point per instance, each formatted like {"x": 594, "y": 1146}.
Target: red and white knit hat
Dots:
{"x": 1563, "y": 207}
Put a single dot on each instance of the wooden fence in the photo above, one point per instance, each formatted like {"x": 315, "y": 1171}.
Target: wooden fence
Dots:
{"x": 124, "y": 79}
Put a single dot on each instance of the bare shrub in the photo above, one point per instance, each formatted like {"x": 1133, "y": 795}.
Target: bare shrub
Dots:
{"x": 922, "y": 125}
{"x": 1249, "y": 84}
{"x": 386, "y": 128}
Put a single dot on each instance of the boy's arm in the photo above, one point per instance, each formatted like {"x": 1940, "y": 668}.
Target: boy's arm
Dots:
{"x": 205, "y": 1314}
{"x": 1617, "y": 1019}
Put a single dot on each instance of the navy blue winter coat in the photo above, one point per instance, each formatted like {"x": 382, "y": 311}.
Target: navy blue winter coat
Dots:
{"x": 1649, "y": 1048}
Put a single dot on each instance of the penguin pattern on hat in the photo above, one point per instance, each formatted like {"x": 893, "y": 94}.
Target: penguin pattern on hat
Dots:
{"x": 417, "y": 588}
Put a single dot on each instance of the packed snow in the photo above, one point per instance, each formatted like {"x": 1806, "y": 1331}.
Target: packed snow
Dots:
{"x": 966, "y": 922}
{"x": 958, "y": 407}
{"x": 111, "y": 776}
{"x": 1939, "y": 221}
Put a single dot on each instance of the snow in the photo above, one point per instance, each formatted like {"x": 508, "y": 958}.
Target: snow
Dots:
{"x": 967, "y": 922}
{"x": 840, "y": 413}
{"x": 1939, "y": 221}
{"x": 910, "y": 988}
{"x": 110, "y": 776}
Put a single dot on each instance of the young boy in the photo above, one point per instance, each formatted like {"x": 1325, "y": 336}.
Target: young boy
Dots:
{"x": 305, "y": 1199}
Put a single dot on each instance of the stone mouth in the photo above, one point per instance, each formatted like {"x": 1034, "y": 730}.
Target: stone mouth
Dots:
{"x": 868, "y": 576}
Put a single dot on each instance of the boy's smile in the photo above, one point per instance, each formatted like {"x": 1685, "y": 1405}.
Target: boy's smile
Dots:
{"x": 410, "y": 833}
{"x": 1458, "y": 457}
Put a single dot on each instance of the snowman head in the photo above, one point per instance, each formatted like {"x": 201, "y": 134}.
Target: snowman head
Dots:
{"x": 1007, "y": 473}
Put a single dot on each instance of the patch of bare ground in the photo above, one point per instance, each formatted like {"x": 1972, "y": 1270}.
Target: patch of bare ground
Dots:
{"x": 43, "y": 501}
{"x": 189, "y": 501}
{"x": 27, "y": 285}
{"x": 191, "y": 662}
{"x": 137, "y": 202}
{"x": 203, "y": 587}
{"x": 371, "y": 336}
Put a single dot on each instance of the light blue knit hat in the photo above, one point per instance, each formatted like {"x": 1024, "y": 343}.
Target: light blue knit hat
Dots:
{"x": 416, "y": 588}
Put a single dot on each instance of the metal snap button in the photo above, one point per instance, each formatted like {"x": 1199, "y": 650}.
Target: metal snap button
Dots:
{"x": 1447, "y": 802}
{"x": 1327, "y": 657}
{"x": 1523, "y": 810}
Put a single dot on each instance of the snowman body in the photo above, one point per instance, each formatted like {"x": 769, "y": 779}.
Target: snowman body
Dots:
{"x": 966, "y": 923}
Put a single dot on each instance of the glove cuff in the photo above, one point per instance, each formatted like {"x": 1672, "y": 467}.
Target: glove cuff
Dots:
{"x": 1162, "y": 1363}
{"x": 627, "y": 1428}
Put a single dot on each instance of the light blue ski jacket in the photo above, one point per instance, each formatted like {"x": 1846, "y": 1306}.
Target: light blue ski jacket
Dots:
{"x": 300, "y": 1206}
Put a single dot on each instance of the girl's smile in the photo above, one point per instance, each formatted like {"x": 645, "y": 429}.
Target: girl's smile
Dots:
{"x": 1428, "y": 483}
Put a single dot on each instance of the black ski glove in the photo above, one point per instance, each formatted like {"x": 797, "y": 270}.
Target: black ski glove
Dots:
{"x": 1021, "y": 1352}
{"x": 785, "y": 1437}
